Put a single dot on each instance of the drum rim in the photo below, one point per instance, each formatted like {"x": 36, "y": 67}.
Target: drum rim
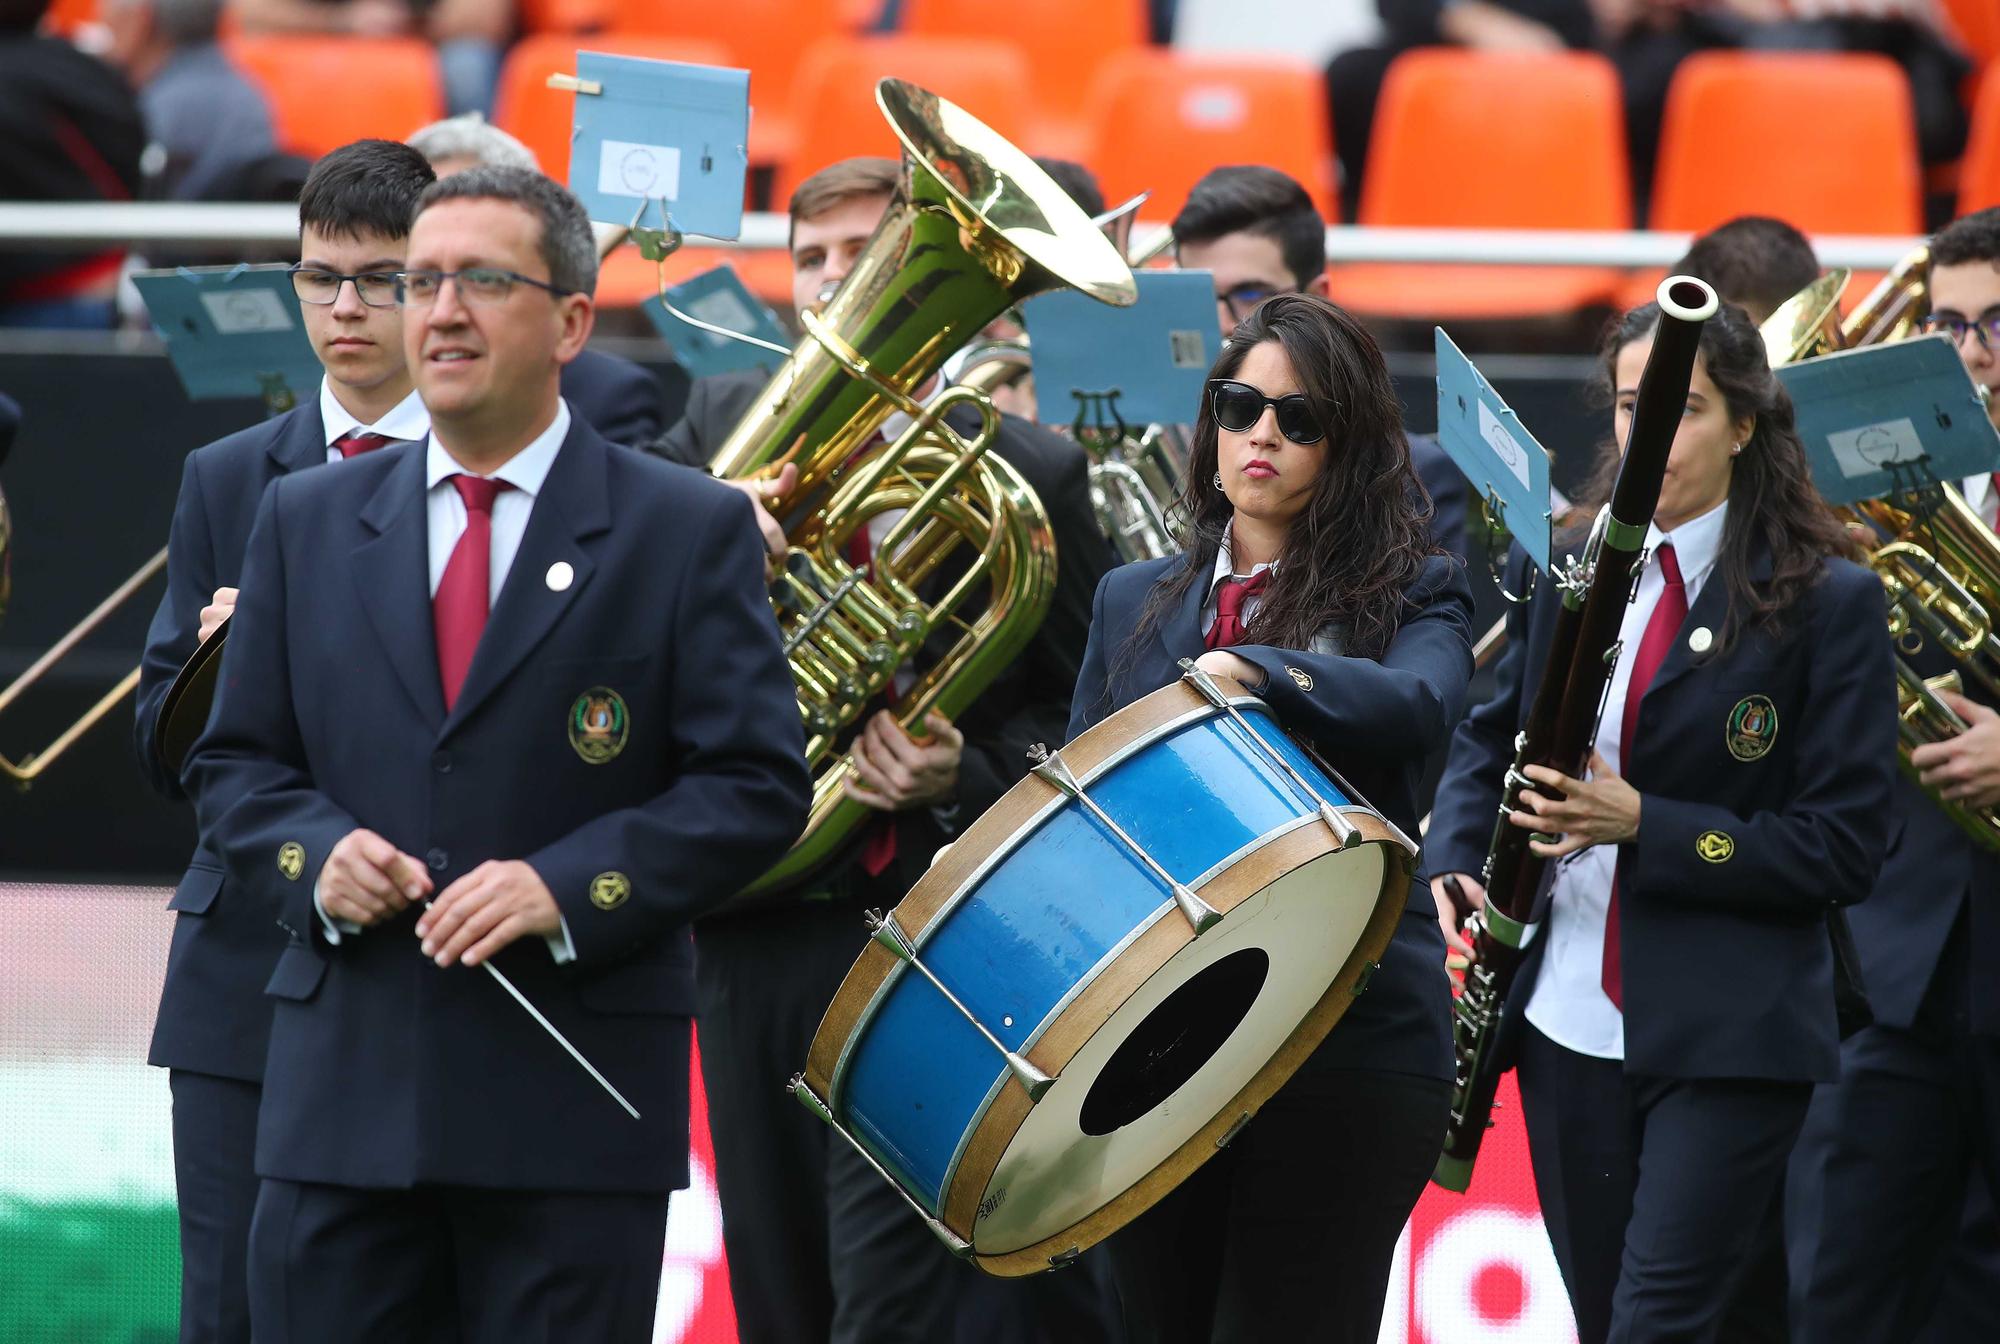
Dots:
{"x": 1002, "y": 829}
{"x": 993, "y": 1129}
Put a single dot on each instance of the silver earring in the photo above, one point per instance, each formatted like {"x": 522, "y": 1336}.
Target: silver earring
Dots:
{"x": 1735, "y": 449}
{"x": 1218, "y": 480}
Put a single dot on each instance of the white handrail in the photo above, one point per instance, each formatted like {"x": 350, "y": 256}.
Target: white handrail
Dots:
{"x": 31, "y": 227}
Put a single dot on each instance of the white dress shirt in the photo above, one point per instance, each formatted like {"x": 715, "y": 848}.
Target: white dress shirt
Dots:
{"x": 1981, "y": 496}
{"x": 1225, "y": 568}
{"x": 526, "y": 471}
{"x": 1568, "y": 1004}
{"x": 407, "y": 420}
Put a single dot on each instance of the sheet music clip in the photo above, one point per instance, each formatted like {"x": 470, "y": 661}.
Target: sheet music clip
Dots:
{"x": 1098, "y": 422}
{"x": 1507, "y": 469}
{"x": 659, "y": 147}
{"x": 232, "y": 332}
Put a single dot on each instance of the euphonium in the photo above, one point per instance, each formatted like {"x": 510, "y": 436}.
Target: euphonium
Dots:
{"x": 975, "y": 228}
{"x": 1937, "y": 559}
{"x": 1135, "y": 472}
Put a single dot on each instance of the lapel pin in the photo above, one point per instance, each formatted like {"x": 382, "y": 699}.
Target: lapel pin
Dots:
{"x": 1700, "y": 640}
{"x": 560, "y": 576}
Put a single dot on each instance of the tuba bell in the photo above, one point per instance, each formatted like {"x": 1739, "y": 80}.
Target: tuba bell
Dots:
{"x": 1938, "y": 561}
{"x": 974, "y": 229}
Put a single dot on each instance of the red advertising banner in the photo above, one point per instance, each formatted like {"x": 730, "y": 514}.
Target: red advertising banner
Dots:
{"x": 1474, "y": 1268}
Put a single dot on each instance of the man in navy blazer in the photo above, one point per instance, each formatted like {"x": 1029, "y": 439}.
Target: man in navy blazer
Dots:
{"x": 213, "y": 1022}
{"x": 512, "y": 696}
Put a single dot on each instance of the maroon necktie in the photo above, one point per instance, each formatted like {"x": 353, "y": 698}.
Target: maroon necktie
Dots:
{"x": 354, "y": 443}
{"x": 458, "y": 612}
{"x": 1665, "y": 626}
{"x": 878, "y": 847}
{"x": 1229, "y": 599}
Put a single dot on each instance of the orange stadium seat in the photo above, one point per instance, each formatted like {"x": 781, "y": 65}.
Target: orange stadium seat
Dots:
{"x": 1758, "y": 134}
{"x": 835, "y": 95}
{"x": 1979, "y": 174}
{"x": 769, "y": 37}
{"x": 1160, "y": 119}
{"x": 325, "y": 90}
{"x": 1079, "y": 39}
{"x": 1976, "y": 23}
{"x": 65, "y": 17}
{"x": 626, "y": 279}
{"x": 1468, "y": 139}
{"x": 540, "y": 116}
{"x": 563, "y": 16}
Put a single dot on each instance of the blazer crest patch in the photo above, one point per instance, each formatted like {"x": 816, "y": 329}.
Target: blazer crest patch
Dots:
{"x": 1752, "y": 728}
{"x": 598, "y": 723}
{"x": 1715, "y": 846}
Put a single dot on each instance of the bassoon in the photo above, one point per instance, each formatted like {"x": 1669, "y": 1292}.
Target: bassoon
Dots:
{"x": 1561, "y": 722}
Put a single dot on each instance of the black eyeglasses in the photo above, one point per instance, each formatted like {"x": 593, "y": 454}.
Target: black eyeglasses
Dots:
{"x": 476, "y": 284}
{"x": 1238, "y": 406}
{"x": 1243, "y": 300}
{"x": 314, "y": 285}
{"x": 1986, "y": 327}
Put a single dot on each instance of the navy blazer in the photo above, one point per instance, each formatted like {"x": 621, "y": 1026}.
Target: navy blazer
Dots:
{"x": 1374, "y": 720}
{"x": 1933, "y": 872}
{"x": 1728, "y": 970}
{"x": 212, "y": 1018}
{"x": 614, "y": 396}
{"x": 385, "y": 1070}
{"x": 1445, "y": 484}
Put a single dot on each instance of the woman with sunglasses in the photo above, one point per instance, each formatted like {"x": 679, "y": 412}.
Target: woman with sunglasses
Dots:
{"x": 1307, "y": 573}
{"x": 1678, "y": 1000}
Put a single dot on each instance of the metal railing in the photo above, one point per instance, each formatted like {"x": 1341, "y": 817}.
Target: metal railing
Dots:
{"x": 38, "y": 227}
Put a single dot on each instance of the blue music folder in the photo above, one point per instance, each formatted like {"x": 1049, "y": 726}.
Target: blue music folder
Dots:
{"x": 660, "y": 144}
{"x": 232, "y": 331}
{"x": 1500, "y": 458}
{"x": 720, "y": 298}
{"x": 1155, "y": 355}
{"x": 1890, "y": 417}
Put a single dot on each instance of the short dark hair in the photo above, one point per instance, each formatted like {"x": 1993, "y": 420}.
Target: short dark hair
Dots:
{"x": 369, "y": 186}
{"x": 1078, "y": 181}
{"x": 854, "y": 179}
{"x": 1754, "y": 262}
{"x": 567, "y": 246}
{"x": 1973, "y": 237}
{"x": 1250, "y": 198}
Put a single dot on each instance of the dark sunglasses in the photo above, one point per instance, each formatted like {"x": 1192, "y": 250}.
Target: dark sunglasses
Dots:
{"x": 1237, "y": 406}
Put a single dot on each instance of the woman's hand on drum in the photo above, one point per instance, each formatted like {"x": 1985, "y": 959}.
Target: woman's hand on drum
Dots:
{"x": 1601, "y": 810}
{"x": 1223, "y": 663}
{"x": 1452, "y": 914}
{"x": 894, "y": 772}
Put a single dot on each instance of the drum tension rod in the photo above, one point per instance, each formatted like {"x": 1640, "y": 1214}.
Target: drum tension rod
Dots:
{"x": 802, "y": 1091}
{"x": 1345, "y": 833}
{"x": 884, "y": 929}
{"x": 1053, "y": 769}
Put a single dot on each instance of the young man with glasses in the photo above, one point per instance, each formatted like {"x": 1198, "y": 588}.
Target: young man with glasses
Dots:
{"x": 1914, "y": 1119}
{"x": 1258, "y": 233}
{"x": 214, "y": 1021}
{"x": 474, "y": 720}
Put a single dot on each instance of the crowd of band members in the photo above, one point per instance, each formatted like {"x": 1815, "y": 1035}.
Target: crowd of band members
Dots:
{"x": 404, "y": 1156}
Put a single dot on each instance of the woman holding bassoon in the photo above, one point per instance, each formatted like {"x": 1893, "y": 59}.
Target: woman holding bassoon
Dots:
{"x": 1677, "y": 1001}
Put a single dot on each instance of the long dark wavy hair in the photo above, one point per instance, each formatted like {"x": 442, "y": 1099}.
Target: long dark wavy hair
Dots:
{"x": 1364, "y": 533}
{"x": 1772, "y": 502}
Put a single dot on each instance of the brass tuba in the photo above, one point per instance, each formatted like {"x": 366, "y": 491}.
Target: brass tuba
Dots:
{"x": 974, "y": 228}
{"x": 1938, "y": 561}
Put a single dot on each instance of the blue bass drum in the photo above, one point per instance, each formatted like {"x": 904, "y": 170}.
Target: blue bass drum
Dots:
{"x": 1102, "y": 980}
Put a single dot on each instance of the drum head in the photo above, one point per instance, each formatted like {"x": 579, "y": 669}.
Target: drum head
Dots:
{"x": 1180, "y": 1052}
